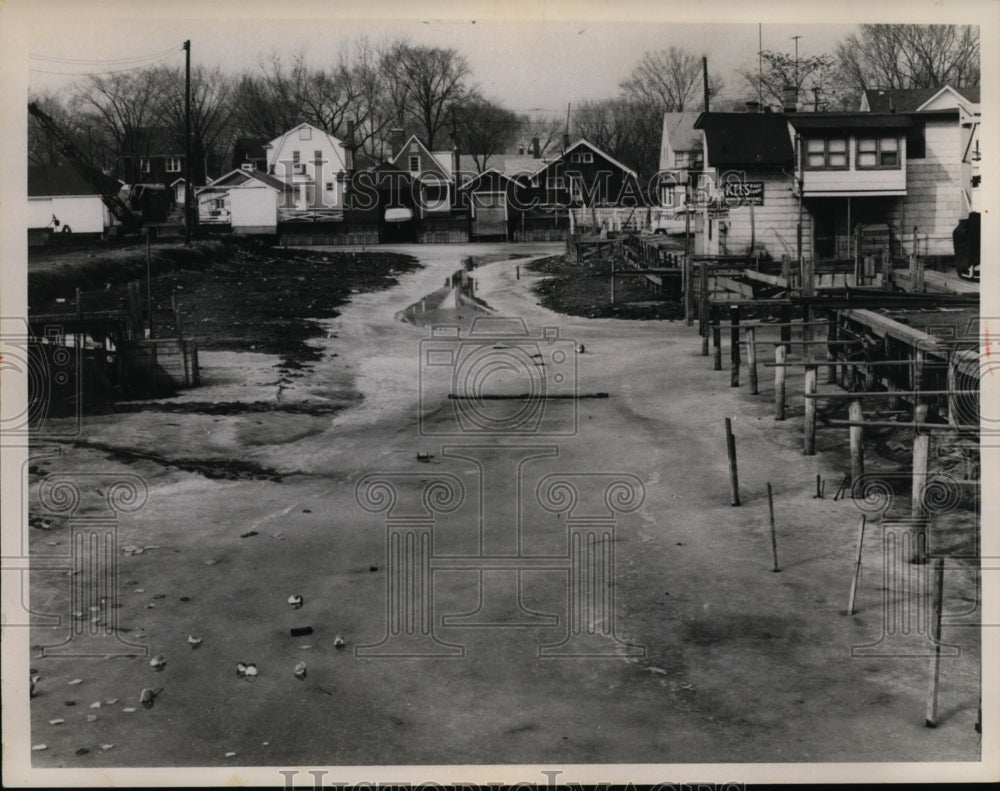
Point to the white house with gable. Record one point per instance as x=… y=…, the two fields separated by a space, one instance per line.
x=315 y=164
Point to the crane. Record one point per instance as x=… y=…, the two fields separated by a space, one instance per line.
x=95 y=179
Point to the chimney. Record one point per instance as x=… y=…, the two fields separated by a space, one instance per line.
x=349 y=147
x=565 y=141
x=395 y=141
x=534 y=148
x=753 y=106
x=789 y=99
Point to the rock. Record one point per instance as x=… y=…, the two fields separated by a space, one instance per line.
x=300 y=671
x=338 y=642
x=91 y=718
x=38 y=747
x=107 y=746
x=194 y=640
x=230 y=755
x=300 y=631
x=251 y=672
x=82 y=751
x=129 y=709
x=295 y=601
x=148 y=696
x=75 y=681
x=241 y=670
x=58 y=721
x=96 y=704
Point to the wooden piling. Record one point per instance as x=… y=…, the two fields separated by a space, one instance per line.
x=857 y=441
x=831 y=351
x=774 y=537
x=716 y=338
x=809 y=441
x=688 y=292
x=612 y=277
x=703 y=299
x=779 y=382
x=734 y=486
x=857 y=567
x=786 y=326
x=752 y=358
x=734 y=346
x=935 y=674
x=921 y=448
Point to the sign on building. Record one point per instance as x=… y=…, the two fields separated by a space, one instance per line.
x=743 y=193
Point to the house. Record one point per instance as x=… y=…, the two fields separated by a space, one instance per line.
x=315 y=164
x=588 y=186
x=896 y=177
x=681 y=153
x=60 y=199
x=249 y=150
x=909 y=100
x=498 y=206
x=746 y=193
x=245 y=201
x=382 y=196
x=433 y=175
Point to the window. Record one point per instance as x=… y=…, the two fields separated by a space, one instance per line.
x=173 y=164
x=826 y=154
x=414 y=164
x=329 y=186
x=305 y=133
x=555 y=183
x=296 y=157
x=144 y=164
x=584 y=157
x=878 y=152
x=317 y=155
x=219 y=203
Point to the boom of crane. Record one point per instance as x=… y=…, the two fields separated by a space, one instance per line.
x=95 y=179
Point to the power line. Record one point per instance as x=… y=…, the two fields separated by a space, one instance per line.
x=104 y=71
x=102 y=61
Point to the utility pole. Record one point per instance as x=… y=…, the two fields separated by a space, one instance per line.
x=760 y=67
x=704 y=77
x=187 y=143
x=796 y=63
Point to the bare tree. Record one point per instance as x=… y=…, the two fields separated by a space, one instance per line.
x=813 y=78
x=124 y=105
x=212 y=111
x=268 y=102
x=670 y=79
x=630 y=131
x=485 y=128
x=549 y=132
x=910 y=56
x=425 y=84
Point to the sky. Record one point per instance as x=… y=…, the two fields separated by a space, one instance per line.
x=533 y=65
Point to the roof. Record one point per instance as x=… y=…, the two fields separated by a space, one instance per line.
x=596 y=150
x=521 y=164
x=249 y=147
x=859 y=120
x=235 y=178
x=904 y=100
x=155 y=141
x=473 y=182
x=679 y=130
x=441 y=158
x=52 y=180
x=746 y=139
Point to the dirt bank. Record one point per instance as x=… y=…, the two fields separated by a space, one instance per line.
x=229 y=295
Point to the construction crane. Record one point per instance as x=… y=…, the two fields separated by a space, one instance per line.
x=95 y=179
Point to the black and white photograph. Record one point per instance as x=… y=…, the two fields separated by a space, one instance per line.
x=478 y=394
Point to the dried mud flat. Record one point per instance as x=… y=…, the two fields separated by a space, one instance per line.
x=737 y=663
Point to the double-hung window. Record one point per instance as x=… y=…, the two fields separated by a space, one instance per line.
x=878 y=152
x=826 y=154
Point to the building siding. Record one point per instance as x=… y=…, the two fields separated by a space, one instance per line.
x=774 y=223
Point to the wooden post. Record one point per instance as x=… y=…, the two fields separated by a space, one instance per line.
x=786 y=269
x=832 y=331
x=703 y=298
x=752 y=358
x=612 y=277
x=734 y=346
x=857 y=440
x=716 y=338
x=688 y=292
x=935 y=674
x=809 y=442
x=857 y=567
x=786 y=326
x=774 y=537
x=886 y=269
x=779 y=382
x=79 y=305
x=177 y=318
x=921 y=447
x=734 y=486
